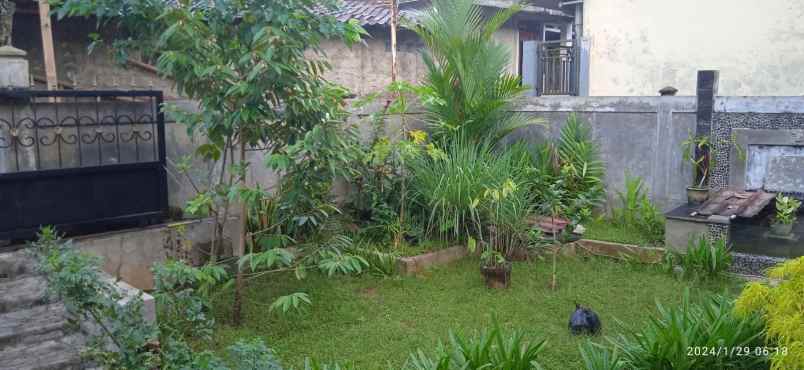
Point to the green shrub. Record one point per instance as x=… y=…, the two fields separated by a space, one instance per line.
x=704 y=258
x=572 y=169
x=636 y=211
x=491 y=350
x=786 y=208
x=687 y=338
x=77 y=279
x=780 y=306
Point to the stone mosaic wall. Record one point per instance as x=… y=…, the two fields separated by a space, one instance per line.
x=717 y=232
x=724 y=122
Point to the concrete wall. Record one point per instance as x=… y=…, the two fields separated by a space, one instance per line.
x=640 y=46
x=366 y=68
x=129 y=255
x=74 y=64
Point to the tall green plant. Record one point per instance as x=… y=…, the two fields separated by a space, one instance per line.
x=450 y=185
x=573 y=166
x=468 y=89
x=695 y=151
x=579 y=156
x=637 y=212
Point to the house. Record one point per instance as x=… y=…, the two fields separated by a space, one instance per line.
x=636 y=47
x=541 y=24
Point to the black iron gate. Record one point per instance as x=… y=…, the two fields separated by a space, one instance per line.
x=83 y=161
x=558 y=64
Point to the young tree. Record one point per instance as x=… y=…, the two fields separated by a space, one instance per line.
x=248 y=65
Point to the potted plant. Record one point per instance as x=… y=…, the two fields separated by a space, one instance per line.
x=695 y=150
x=503 y=211
x=786 y=208
x=495 y=268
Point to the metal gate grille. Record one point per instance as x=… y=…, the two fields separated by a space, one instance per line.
x=558 y=64
x=81 y=160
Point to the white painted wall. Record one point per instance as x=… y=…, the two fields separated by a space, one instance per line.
x=640 y=46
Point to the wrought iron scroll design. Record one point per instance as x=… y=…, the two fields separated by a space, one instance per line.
x=70 y=129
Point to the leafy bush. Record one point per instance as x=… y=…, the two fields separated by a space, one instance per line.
x=571 y=170
x=491 y=350
x=786 y=208
x=780 y=306
x=637 y=212
x=678 y=337
x=468 y=90
x=580 y=159
x=124 y=340
x=704 y=258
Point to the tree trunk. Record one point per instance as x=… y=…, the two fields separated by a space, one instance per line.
x=237 y=307
x=394 y=22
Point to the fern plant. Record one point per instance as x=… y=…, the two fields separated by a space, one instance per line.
x=781 y=308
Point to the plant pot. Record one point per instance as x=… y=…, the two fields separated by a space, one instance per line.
x=497 y=276
x=697 y=196
x=781 y=229
x=519 y=255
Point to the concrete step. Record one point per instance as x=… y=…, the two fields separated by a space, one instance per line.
x=15 y=265
x=56 y=354
x=22 y=293
x=33 y=325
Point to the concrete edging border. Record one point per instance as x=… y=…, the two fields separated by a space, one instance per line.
x=413 y=265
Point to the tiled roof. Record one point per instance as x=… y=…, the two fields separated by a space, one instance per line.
x=378 y=12
x=367 y=12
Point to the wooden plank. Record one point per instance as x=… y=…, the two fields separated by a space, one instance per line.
x=715 y=205
x=738 y=203
x=758 y=205
x=47 y=45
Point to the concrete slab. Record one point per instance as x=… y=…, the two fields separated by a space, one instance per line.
x=785 y=174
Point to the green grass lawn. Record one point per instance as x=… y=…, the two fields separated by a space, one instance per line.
x=607 y=231
x=376 y=322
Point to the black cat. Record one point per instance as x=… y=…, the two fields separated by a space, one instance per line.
x=584 y=321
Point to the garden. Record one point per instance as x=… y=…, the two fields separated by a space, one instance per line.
x=314 y=280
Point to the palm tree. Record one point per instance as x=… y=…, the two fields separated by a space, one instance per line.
x=468 y=89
